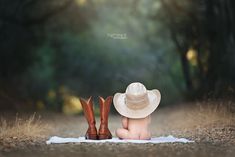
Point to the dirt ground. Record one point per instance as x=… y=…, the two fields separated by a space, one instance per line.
x=212 y=130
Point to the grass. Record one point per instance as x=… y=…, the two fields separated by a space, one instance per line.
x=203 y=121
x=22 y=131
x=210 y=113
x=202 y=114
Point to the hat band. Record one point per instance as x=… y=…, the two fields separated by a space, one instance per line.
x=136 y=102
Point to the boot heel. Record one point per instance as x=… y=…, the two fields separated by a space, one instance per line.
x=92 y=137
x=103 y=137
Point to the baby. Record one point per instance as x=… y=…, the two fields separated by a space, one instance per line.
x=136 y=129
x=135 y=106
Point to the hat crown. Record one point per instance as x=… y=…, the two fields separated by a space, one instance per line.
x=136 y=89
x=136 y=96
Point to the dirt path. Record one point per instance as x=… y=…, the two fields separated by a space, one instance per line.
x=123 y=150
x=213 y=138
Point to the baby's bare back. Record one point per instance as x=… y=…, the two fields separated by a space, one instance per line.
x=139 y=128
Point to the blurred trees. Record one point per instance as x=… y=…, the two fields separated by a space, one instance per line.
x=27 y=58
x=206 y=28
x=53 y=49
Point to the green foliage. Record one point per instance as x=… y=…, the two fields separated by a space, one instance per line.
x=75 y=50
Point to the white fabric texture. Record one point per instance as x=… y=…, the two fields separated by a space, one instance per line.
x=162 y=139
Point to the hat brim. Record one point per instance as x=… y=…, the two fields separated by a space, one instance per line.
x=154 y=97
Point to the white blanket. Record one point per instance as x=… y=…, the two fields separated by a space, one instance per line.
x=162 y=139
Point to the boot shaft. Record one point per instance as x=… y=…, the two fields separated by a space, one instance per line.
x=105 y=105
x=88 y=110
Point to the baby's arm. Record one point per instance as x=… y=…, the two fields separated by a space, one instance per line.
x=123 y=133
x=125 y=122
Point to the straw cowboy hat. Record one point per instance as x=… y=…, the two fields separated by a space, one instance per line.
x=137 y=101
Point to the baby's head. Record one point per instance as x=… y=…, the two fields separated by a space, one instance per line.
x=137 y=101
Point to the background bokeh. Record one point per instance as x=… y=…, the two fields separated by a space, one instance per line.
x=53 y=52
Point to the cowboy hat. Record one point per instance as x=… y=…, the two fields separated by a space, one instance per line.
x=137 y=101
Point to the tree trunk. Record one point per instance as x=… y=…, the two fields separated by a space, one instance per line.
x=186 y=71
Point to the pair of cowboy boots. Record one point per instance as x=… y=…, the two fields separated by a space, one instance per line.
x=104 y=132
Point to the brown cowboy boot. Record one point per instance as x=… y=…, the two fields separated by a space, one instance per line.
x=104 y=132
x=89 y=114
